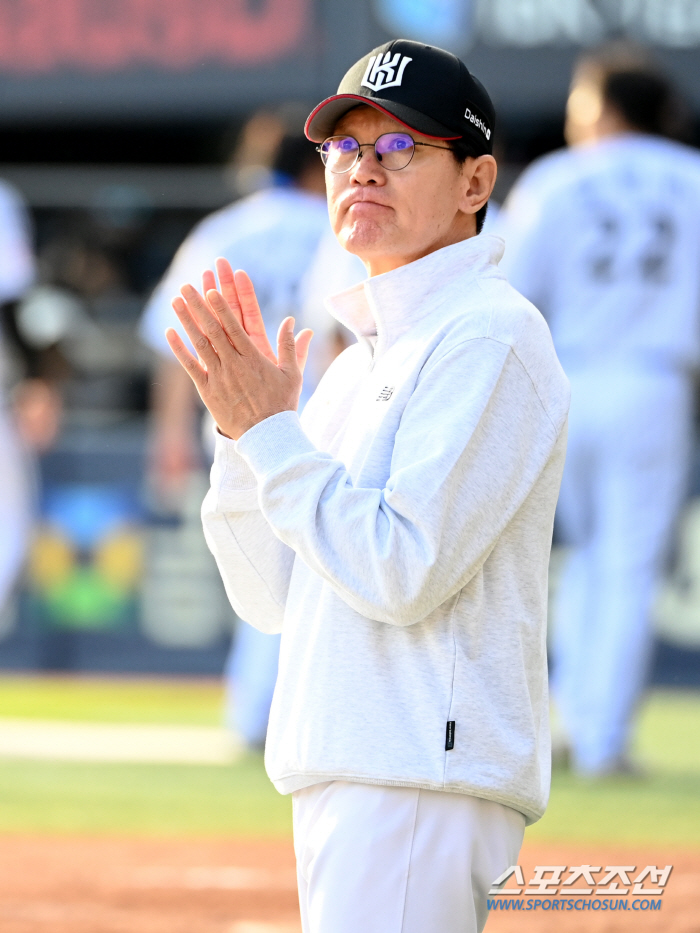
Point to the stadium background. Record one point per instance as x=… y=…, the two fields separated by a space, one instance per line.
x=118 y=119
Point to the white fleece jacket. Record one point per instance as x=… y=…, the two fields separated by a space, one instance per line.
x=399 y=537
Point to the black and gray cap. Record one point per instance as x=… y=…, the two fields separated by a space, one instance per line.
x=427 y=89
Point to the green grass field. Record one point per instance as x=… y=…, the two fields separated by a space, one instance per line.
x=87 y=699
x=37 y=796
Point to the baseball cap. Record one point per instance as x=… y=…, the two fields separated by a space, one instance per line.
x=427 y=89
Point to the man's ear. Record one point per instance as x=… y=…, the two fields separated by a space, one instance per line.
x=478 y=179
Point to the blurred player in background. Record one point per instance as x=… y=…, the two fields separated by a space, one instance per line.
x=604 y=238
x=277 y=234
x=17 y=270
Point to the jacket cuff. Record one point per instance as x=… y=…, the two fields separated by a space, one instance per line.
x=273 y=444
x=232 y=480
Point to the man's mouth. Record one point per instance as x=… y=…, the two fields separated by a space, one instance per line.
x=362 y=205
x=366 y=207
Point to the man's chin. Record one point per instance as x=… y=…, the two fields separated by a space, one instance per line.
x=363 y=239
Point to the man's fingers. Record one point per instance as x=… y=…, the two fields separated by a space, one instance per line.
x=208 y=281
x=228 y=288
x=229 y=318
x=252 y=318
x=233 y=329
x=194 y=330
x=208 y=320
x=194 y=370
x=302 y=341
x=292 y=351
x=239 y=293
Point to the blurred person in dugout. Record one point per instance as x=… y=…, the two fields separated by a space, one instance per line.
x=280 y=234
x=29 y=406
x=604 y=237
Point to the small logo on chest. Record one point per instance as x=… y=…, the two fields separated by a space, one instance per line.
x=385 y=394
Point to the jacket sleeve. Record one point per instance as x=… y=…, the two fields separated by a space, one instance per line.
x=472 y=440
x=254 y=564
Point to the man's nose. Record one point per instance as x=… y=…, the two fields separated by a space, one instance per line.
x=368 y=169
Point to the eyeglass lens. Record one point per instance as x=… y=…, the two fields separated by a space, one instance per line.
x=393 y=150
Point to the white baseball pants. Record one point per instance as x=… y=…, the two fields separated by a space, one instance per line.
x=624 y=481
x=15 y=506
x=375 y=859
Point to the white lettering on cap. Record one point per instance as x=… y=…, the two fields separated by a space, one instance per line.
x=478 y=122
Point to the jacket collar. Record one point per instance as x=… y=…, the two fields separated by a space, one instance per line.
x=392 y=303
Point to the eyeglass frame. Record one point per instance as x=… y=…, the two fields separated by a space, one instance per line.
x=361 y=146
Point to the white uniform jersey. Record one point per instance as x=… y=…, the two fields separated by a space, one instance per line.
x=332 y=270
x=605 y=241
x=272 y=235
x=16 y=254
x=17 y=271
x=17 y=268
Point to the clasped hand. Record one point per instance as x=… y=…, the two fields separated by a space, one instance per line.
x=236 y=372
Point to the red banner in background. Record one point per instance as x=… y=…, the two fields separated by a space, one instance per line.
x=37 y=36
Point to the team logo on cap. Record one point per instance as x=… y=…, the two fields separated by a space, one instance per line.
x=385 y=71
x=478 y=122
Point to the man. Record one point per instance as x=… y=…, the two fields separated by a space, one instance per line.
x=399 y=535
x=604 y=237
x=275 y=234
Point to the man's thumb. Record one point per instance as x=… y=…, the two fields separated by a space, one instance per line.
x=286 y=347
x=302 y=340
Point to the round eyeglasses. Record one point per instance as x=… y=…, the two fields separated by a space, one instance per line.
x=392 y=150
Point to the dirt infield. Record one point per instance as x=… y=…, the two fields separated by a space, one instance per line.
x=85 y=885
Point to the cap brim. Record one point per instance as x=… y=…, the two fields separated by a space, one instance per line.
x=322 y=120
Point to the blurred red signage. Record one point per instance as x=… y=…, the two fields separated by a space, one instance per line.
x=113 y=35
